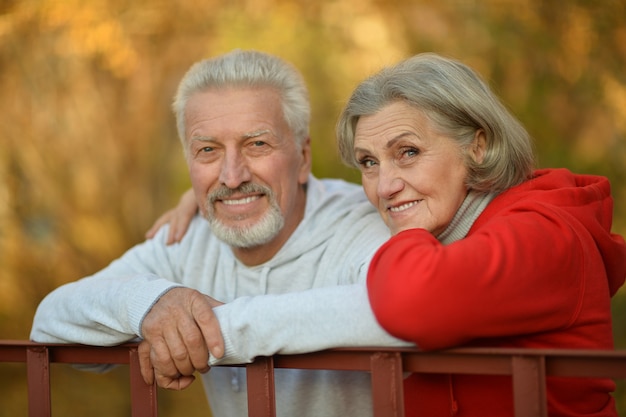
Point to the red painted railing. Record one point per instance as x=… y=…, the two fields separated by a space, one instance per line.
x=38 y=358
x=527 y=367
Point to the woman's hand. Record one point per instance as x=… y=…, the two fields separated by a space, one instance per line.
x=179 y=218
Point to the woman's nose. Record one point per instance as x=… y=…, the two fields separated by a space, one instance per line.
x=389 y=182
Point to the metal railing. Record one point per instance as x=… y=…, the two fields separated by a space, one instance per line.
x=527 y=367
x=38 y=358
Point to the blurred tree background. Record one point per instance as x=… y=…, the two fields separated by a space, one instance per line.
x=89 y=155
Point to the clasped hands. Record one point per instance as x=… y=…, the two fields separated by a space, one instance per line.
x=178 y=333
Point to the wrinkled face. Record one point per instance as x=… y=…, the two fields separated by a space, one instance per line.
x=246 y=169
x=414 y=175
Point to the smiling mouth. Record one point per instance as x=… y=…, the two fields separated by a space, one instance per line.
x=403 y=207
x=244 y=200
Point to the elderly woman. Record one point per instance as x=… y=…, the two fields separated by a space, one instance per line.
x=486 y=251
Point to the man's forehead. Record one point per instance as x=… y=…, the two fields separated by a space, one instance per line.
x=235 y=116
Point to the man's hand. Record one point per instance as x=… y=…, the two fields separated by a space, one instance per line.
x=179 y=331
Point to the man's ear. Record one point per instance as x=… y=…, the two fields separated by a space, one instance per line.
x=306 y=164
x=478 y=148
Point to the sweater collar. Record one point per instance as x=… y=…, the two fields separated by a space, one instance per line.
x=465 y=216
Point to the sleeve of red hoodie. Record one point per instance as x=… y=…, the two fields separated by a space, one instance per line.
x=522 y=271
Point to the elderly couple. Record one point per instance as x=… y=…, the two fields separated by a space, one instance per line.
x=476 y=247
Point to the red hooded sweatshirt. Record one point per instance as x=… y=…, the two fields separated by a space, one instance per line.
x=537 y=269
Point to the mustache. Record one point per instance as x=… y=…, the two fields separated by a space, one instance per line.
x=248 y=188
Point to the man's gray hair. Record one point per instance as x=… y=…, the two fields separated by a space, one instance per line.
x=240 y=68
x=459 y=103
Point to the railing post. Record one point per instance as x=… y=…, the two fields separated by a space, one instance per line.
x=261 y=391
x=529 y=386
x=387 y=385
x=38 y=374
x=143 y=396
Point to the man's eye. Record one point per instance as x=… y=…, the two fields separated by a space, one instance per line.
x=258 y=143
x=206 y=149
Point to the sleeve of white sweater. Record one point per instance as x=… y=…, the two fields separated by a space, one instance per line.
x=322 y=318
x=97 y=311
x=108 y=307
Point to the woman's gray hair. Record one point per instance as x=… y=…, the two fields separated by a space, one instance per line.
x=459 y=103
x=240 y=68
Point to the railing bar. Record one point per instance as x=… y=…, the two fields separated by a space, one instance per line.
x=387 y=385
x=12 y=353
x=529 y=386
x=38 y=375
x=79 y=354
x=605 y=367
x=261 y=389
x=143 y=396
x=334 y=360
x=442 y=362
x=606 y=364
x=439 y=362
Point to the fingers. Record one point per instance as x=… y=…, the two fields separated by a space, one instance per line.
x=169 y=370
x=173 y=381
x=172 y=369
x=210 y=327
x=145 y=365
x=176 y=383
x=183 y=215
x=189 y=351
x=179 y=330
x=179 y=219
x=179 y=224
x=161 y=221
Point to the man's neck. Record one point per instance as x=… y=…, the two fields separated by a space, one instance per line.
x=257 y=255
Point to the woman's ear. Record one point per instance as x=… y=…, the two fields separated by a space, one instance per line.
x=478 y=148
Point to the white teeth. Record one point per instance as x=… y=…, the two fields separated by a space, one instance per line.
x=244 y=200
x=402 y=207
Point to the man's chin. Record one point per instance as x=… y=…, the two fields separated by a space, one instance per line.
x=244 y=236
x=248 y=233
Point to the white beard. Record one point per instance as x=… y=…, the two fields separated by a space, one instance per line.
x=249 y=236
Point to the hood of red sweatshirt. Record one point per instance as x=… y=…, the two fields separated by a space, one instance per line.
x=588 y=199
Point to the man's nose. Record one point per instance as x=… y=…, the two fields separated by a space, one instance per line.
x=234 y=170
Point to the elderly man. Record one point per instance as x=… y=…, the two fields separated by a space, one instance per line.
x=287 y=253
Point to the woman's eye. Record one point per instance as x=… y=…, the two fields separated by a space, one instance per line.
x=410 y=152
x=366 y=163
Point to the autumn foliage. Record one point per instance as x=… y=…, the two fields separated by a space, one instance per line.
x=88 y=150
